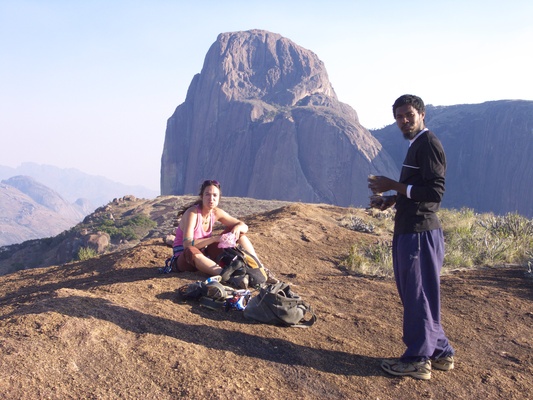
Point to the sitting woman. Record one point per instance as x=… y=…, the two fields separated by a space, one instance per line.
x=194 y=244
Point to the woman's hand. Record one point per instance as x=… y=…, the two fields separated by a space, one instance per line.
x=238 y=229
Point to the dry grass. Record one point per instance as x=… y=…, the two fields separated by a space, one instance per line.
x=472 y=240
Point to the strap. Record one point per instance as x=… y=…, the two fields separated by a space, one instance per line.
x=167 y=269
x=211 y=303
x=217 y=291
x=308 y=323
x=242 y=250
x=277 y=287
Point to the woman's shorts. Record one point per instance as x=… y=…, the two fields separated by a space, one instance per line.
x=186 y=258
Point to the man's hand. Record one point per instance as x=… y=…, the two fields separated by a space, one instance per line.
x=380 y=184
x=382 y=202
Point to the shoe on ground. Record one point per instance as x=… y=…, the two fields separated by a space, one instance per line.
x=443 y=363
x=418 y=369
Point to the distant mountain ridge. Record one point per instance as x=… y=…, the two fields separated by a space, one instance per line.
x=47 y=197
x=38 y=201
x=488 y=148
x=30 y=210
x=73 y=184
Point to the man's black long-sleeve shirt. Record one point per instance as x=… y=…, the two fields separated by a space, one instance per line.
x=425 y=169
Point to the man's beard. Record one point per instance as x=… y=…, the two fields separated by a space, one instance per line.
x=409 y=135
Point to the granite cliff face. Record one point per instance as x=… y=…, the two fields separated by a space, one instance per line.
x=263 y=119
x=488 y=148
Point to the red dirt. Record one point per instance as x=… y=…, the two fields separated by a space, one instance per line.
x=112 y=327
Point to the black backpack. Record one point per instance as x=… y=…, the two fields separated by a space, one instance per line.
x=241 y=269
x=213 y=295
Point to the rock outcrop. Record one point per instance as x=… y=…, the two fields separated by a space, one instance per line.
x=263 y=119
x=488 y=148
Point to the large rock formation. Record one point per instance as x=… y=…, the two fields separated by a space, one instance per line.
x=263 y=119
x=488 y=147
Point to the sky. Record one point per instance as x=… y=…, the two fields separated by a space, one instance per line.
x=90 y=84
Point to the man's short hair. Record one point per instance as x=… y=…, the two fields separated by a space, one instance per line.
x=409 y=99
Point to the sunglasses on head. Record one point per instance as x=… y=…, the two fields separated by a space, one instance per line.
x=211 y=182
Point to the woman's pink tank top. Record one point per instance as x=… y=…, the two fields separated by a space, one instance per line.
x=199 y=232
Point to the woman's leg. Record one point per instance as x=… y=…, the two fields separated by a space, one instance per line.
x=183 y=265
x=247 y=245
x=193 y=259
x=206 y=265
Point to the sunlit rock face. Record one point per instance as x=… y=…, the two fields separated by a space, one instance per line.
x=264 y=120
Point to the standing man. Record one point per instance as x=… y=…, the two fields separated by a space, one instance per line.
x=418 y=243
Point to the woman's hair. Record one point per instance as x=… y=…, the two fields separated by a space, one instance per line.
x=408 y=99
x=205 y=185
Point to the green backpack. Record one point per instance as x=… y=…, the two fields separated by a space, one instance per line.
x=277 y=304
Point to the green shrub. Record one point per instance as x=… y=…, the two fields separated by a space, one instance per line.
x=355 y=262
x=485 y=239
x=459 y=231
x=504 y=239
x=86 y=253
x=132 y=228
x=143 y=221
x=356 y=224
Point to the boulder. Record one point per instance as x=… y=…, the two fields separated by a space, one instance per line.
x=97 y=241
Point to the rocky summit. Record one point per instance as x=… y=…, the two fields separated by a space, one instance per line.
x=111 y=327
x=263 y=118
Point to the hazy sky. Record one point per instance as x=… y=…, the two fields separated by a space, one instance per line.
x=90 y=84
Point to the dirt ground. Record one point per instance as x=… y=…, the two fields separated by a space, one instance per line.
x=112 y=327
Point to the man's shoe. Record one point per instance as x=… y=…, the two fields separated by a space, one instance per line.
x=443 y=363
x=418 y=369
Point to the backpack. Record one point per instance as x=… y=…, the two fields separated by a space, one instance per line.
x=241 y=269
x=213 y=295
x=277 y=304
